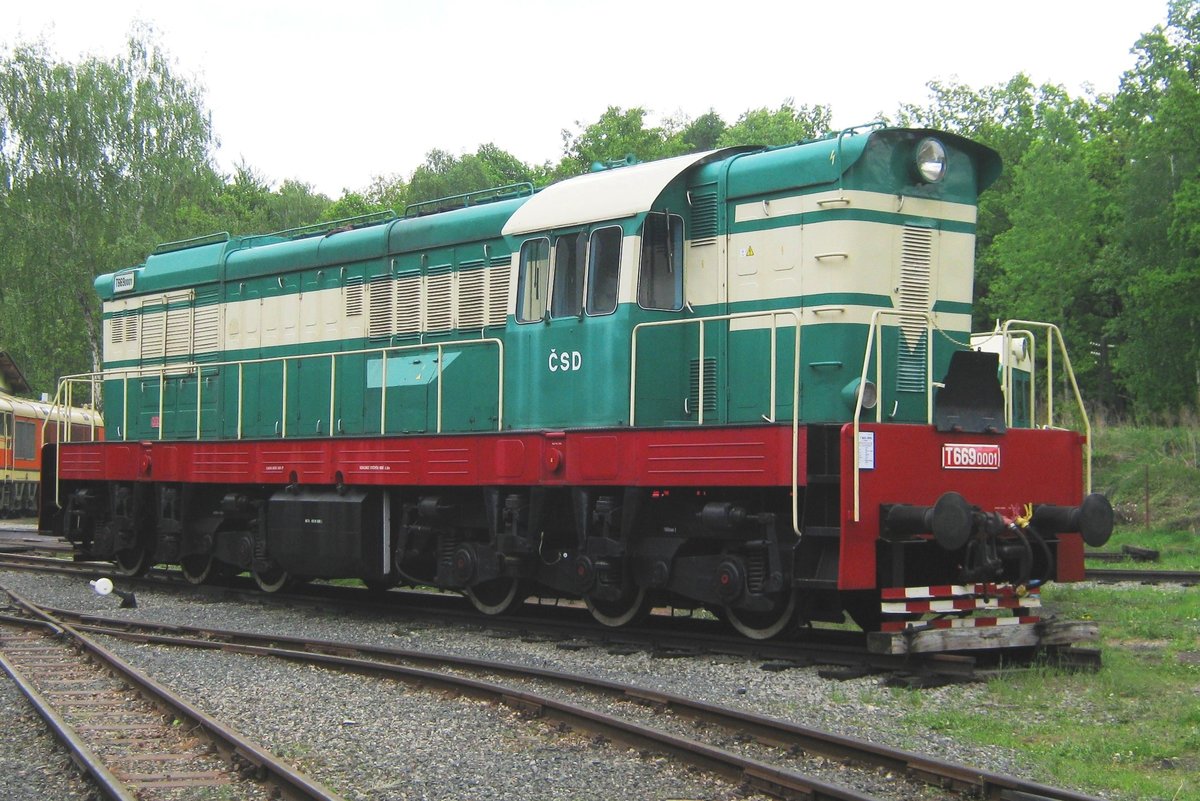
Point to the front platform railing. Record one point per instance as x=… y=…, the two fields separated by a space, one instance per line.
x=1019 y=333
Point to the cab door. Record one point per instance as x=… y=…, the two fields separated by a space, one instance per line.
x=764 y=276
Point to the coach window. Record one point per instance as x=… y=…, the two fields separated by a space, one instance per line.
x=567 y=298
x=604 y=264
x=5 y=427
x=660 y=276
x=24 y=446
x=533 y=280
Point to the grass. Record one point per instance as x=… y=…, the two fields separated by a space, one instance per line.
x=1150 y=472
x=1131 y=730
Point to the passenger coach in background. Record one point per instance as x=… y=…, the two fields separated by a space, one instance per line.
x=24 y=424
x=738 y=380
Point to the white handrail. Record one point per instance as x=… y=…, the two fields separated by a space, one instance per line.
x=700 y=322
x=124 y=374
x=1007 y=333
x=1018 y=328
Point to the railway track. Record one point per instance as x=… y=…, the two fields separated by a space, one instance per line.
x=844 y=652
x=1144 y=575
x=774 y=763
x=134 y=737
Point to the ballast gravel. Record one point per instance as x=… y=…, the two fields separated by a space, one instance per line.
x=372 y=739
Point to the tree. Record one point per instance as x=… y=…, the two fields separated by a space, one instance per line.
x=1158 y=128
x=782 y=126
x=444 y=175
x=294 y=204
x=616 y=135
x=97 y=159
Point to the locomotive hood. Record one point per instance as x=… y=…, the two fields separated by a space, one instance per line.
x=606 y=195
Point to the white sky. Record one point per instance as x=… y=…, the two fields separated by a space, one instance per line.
x=333 y=94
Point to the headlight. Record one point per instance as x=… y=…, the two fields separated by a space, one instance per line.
x=931 y=160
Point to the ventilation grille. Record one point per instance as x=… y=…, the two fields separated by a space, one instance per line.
x=408 y=305
x=472 y=298
x=710 y=385
x=439 y=299
x=498 y=278
x=916 y=260
x=354 y=296
x=704 y=217
x=208 y=329
x=380 y=323
x=123 y=327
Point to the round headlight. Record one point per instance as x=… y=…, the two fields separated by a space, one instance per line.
x=931 y=160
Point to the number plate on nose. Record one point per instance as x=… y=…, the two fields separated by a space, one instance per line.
x=970 y=457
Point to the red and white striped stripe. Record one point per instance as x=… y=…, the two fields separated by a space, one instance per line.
x=952 y=591
x=959 y=623
x=958 y=599
x=959 y=604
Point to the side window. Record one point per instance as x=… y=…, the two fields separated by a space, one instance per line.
x=533 y=280
x=25 y=447
x=660 y=276
x=604 y=263
x=569 y=254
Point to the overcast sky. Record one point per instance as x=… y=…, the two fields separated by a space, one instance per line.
x=333 y=93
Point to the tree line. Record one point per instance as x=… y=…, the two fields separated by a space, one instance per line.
x=1094 y=223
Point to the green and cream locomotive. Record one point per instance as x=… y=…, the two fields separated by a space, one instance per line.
x=739 y=380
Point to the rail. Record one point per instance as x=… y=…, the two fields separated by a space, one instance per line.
x=1012 y=330
x=164 y=372
x=62 y=412
x=769 y=417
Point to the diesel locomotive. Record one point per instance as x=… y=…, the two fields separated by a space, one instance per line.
x=741 y=380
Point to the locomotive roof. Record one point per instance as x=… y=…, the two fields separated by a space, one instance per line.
x=606 y=195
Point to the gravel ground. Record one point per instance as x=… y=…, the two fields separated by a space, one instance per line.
x=373 y=739
x=33 y=765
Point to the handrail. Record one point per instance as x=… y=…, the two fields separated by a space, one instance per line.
x=1018 y=328
x=164 y=372
x=773 y=314
x=1007 y=332
x=877 y=343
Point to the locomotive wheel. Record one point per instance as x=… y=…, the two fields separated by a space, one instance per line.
x=132 y=561
x=630 y=607
x=273 y=579
x=198 y=568
x=763 y=625
x=497 y=596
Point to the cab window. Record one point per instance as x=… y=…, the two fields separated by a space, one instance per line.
x=533 y=280
x=660 y=276
x=604 y=263
x=567 y=297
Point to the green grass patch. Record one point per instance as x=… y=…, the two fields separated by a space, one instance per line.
x=1132 y=729
x=1150 y=472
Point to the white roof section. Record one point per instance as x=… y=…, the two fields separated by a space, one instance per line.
x=605 y=195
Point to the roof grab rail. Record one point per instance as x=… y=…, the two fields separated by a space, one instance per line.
x=853 y=130
x=194 y=242
x=467 y=199
x=333 y=226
